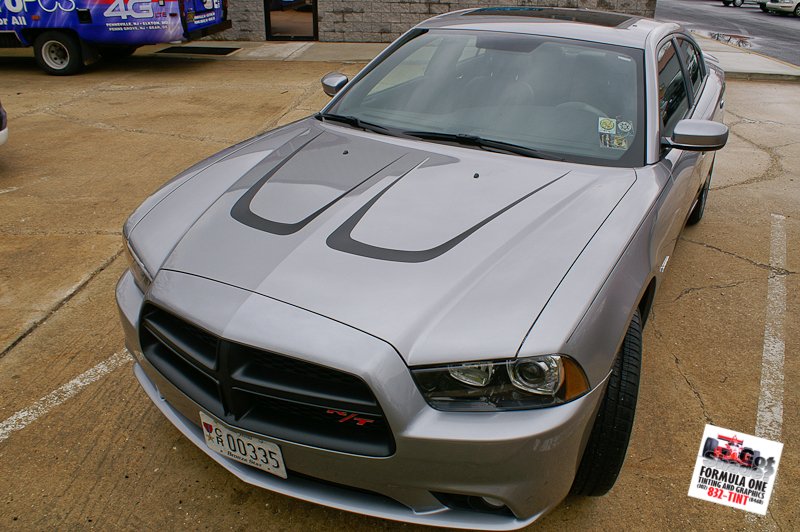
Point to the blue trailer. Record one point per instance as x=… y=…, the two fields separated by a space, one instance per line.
x=66 y=34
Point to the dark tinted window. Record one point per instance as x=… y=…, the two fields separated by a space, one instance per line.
x=673 y=101
x=693 y=64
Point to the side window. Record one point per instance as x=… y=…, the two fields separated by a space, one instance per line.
x=694 y=64
x=673 y=100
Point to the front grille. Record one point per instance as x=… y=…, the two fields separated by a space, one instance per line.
x=265 y=392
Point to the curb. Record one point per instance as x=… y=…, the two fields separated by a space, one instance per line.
x=761 y=76
x=741 y=50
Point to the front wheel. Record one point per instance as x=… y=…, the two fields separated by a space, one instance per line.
x=608 y=442
x=738 y=3
x=797 y=10
x=58 y=53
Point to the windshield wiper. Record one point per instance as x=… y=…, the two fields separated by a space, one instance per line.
x=355 y=122
x=480 y=142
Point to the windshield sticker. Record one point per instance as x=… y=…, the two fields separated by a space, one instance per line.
x=607 y=125
x=625 y=127
x=616 y=142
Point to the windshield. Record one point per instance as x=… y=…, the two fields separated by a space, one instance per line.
x=562 y=98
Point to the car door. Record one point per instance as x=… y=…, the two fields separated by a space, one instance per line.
x=676 y=102
x=707 y=103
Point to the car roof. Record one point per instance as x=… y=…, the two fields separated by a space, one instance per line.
x=583 y=24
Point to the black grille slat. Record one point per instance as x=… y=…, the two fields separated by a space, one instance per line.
x=265 y=392
x=302 y=394
x=201 y=387
x=201 y=347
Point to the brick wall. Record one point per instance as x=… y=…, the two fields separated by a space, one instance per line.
x=247 y=17
x=385 y=20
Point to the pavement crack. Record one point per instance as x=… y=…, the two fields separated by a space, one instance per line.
x=651 y=324
x=60 y=304
x=773 y=171
x=772 y=269
x=692 y=289
x=696 y=393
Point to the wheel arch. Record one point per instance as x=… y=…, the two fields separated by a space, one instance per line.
x=646 y=301
x=29 y=35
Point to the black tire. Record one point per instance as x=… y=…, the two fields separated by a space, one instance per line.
x=58 y=53
x=763 y=7
x=797 y=10
x=700 y=207
x=117 y=52
x=738 y=3
x=726 y=3
x=605 y=451
x=710 y=445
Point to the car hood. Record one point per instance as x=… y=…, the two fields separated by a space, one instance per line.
x=447 y=253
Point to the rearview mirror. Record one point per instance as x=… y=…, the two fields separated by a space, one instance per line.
x=333 y=83
x=698 y=135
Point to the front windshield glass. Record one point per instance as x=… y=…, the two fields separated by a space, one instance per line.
x=575 y=100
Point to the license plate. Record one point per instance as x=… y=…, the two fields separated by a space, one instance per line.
x=241 y=447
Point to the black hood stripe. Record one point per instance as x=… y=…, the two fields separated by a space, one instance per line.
x=341 y=239
x=242 y=212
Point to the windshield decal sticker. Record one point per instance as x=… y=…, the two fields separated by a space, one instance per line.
x=607 y=125
x=625 y=127
x=615 y=142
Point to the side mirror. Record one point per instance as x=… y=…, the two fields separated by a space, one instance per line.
x=698 y=135
x=333 y=83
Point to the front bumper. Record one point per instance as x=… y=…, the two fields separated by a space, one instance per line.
x=526 y=459
x=780 y=8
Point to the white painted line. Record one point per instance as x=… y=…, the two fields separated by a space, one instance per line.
x=769 y=417
x=25 y=417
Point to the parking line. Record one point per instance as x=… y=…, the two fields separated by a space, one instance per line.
x=769 y=417
x=25 y=417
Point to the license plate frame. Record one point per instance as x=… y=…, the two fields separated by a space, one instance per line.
x=237 y=445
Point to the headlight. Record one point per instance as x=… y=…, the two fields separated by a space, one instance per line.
x=140 y=274
x=516 y=384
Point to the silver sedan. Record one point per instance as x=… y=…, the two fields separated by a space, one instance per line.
x=425 y=303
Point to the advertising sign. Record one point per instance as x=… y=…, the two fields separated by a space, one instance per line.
x=118 y=22
x=735 y=469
